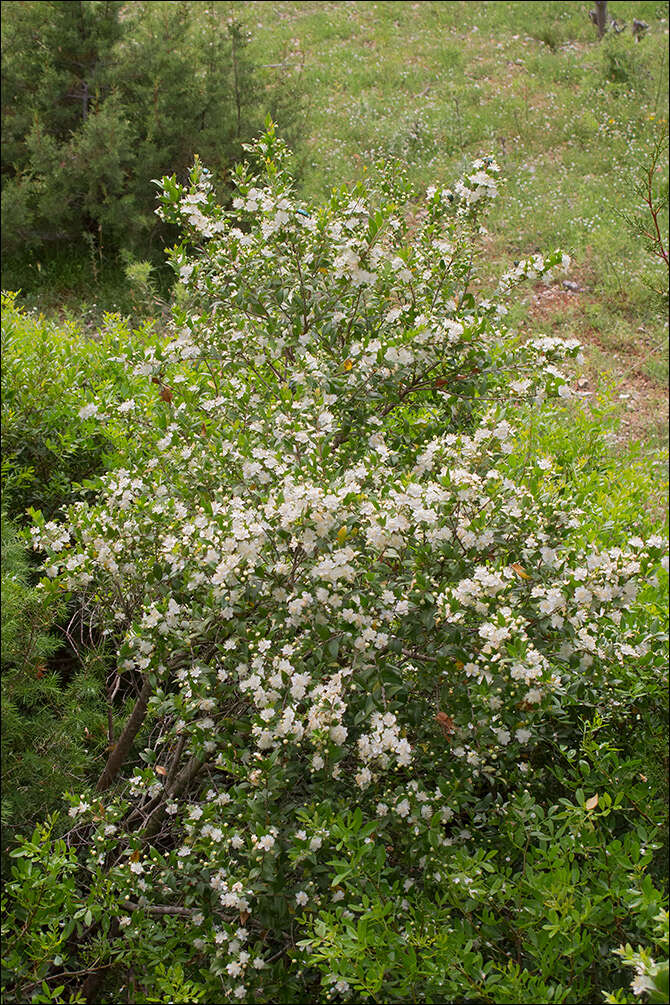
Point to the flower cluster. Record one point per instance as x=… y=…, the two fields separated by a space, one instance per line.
x=321 y=558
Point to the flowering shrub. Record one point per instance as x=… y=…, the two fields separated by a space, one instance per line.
x=342 y=620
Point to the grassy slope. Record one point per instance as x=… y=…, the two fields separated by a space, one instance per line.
x=437 y=84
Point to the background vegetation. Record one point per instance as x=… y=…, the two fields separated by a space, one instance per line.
x=572 y=121
x=102 y=98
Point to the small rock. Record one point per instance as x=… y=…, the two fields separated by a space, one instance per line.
x=572 y=287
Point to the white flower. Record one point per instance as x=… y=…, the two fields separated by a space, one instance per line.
x=301 y=898
x=338 y=734
x=81 y=808
x=641 y=983
x=87 y=411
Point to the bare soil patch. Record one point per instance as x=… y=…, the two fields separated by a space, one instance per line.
x=643 y=401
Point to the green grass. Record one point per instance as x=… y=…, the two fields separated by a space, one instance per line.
x=570 y=120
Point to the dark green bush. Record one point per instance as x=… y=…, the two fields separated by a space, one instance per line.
x=50 y=708
x=99 y=98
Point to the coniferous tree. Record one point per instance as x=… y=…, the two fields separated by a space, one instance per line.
x=50 y=717
x=101 y=97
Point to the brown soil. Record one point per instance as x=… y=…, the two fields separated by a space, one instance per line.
x=643 y=400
